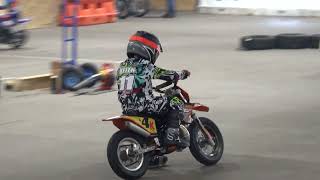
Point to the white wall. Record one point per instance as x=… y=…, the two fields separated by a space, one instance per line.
x=265 y=4
x=1 y=4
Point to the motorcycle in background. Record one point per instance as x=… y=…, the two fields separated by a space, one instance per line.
x=137 y=8
x=12 y=36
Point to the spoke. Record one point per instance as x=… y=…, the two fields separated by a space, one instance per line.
x=134 y=162
x=125 y=145
x=208 y=149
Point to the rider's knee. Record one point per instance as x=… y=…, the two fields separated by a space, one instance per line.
x=176 y=103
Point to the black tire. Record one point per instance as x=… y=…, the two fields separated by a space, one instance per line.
x=122 y=8
x=142 y=7
x=293 y=41
x=194 y=145
x=257 y=42
x=315 y=40
x=89 y=69
x=19 y=39
x=71 y=76
x=113 y=159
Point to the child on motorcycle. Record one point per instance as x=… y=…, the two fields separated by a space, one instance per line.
x=135 y=91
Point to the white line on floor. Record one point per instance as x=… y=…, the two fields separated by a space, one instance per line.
x=6 y=79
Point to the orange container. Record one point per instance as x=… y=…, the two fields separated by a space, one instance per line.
x=91 y=12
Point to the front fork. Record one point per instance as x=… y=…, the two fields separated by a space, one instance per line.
x=203 y=129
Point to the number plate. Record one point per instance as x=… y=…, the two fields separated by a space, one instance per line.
x=148 y=124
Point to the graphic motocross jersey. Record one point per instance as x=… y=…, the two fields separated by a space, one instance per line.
x=135 y=87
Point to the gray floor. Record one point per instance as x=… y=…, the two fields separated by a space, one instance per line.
x=265 y=102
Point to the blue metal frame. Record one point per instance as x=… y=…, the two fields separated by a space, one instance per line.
x=70 y=38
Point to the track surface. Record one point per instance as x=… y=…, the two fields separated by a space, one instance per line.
x=266 y=103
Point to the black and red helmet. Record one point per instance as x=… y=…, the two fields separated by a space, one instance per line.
x=144 y=45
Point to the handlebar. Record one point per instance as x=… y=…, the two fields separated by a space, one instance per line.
x=165 y=84
x=168 y=83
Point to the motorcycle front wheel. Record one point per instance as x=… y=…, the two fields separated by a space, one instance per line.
x=200 y=147
x=19 y=39
x=123 y=156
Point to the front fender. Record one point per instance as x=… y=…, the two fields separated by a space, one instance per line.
x=197 y=107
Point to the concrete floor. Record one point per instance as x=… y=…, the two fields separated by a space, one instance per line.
x=266 y=103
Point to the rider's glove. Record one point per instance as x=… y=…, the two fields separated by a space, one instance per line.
x=185 y=74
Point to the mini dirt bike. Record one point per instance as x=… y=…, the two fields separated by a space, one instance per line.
x=137 y=8
x=14 y=38
x=141 y=137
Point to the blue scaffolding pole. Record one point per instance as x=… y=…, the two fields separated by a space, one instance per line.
x=70 y=34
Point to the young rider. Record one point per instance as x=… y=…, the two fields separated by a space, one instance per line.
x=135 y=91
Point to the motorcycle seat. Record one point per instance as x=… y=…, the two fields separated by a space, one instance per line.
x=156 y=117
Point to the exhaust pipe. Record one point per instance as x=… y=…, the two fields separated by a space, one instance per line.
x=137 y=129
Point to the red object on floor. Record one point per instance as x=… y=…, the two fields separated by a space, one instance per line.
x=108 y=81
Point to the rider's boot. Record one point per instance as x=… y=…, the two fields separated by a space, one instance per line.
x=173 y=132
x=158 y=161
x=172 y=138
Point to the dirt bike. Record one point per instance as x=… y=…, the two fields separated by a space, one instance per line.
x=141 y=137
x=137 y=8
x=14 y=38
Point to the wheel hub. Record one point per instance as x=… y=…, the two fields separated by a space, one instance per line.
x=124 y=155
x=205 y=146
x=128 y=154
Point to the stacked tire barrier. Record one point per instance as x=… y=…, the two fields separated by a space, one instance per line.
x=281 y=41
x=90 y=12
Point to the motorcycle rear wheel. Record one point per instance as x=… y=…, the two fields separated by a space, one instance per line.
x=120 y=155
x=200 y=148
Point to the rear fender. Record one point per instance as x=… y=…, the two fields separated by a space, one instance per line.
x=141 y=125
x=118 y=121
